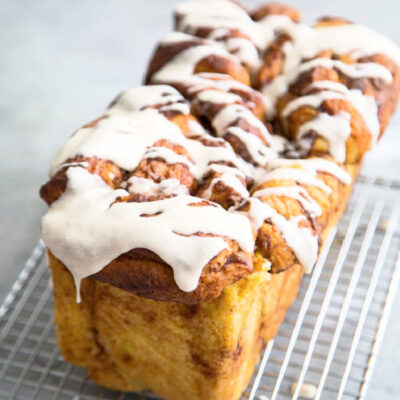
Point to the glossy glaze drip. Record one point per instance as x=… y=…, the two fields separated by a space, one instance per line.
x=99 y=230
x=301 y=240
x=135 y=123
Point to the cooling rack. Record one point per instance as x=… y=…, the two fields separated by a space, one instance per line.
x=325 y=349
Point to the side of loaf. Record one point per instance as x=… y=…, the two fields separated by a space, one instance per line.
x=182 y=220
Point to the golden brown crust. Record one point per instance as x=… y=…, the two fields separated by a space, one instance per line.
x=125 y=341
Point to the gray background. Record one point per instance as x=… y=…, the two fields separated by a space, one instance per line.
x=61 y=62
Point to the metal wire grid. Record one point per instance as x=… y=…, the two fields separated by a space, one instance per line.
x=329 y=339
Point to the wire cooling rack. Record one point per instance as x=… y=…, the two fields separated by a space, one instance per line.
x=325 y=349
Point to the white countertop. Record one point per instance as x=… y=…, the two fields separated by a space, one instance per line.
x=63 y=61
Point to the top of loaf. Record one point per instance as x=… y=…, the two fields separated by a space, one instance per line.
x=231 y=160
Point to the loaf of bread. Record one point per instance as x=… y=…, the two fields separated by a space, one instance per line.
x=182 y=220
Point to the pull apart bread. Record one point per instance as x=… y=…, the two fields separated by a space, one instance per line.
x=181 y=222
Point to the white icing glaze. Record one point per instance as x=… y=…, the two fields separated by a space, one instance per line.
x=86 y=231
x=243 y=49
x=205 y=92
x=329 y=85
x=219 y=17
x=229 y=177
x=281 y=83
x=168 y=155
x=176 y=37
x=136 y=184
x=221 y=8
x=178 y=107
x=306 y=41
x=226 y=169
x=313 y=165
x=295 y=192
x=229 y=114
x=260 y=153
x=203 y=88
x=365 y=105
x=212 y=14
x=334 y=128
x=191 y=22
x=218 y=97
x=207 y=80
x=68 y=164
x=341 y=39
x=124 y=140
x=306 y=177
x=120 y=138
x=312 y=100
x=196 y=129
x=357 y=70
x=183 y=64
x=301 y=240
x=141 y=97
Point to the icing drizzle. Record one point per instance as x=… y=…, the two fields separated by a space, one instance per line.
x=93 y=229
x=229 y=26
x=88 y=227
